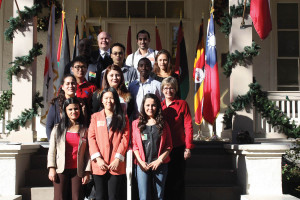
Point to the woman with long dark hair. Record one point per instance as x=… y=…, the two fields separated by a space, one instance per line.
x=108 y=141
x=68 y=157
x=113 y=77
x=152 y=143
x=67 y=90
x=163 y=67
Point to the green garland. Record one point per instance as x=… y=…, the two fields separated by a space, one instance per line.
x=23 y=61
x=18 y=23
x=26 y=115
x=241 y=58
x=28 y=13
x=267 y=109
x=235 y=11
x=5 y=102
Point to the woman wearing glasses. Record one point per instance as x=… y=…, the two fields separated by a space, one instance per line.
x=177 y=114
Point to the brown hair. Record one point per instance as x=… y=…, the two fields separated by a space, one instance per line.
x=170 y=68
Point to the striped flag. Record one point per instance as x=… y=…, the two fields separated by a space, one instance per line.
x=181 y=64
x=211 y=104
x=50 y=69
x=199 y=75
x=76 y=39
x=128 y=48
x=63 y=51
x=157 y=37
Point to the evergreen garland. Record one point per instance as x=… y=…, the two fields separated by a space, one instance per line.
x=43 y=22
x=5 y=102
x=268 y=110
x=241 y=58
x=23 y=61
x=18 y=23
x=26 y=115
x=235 y=11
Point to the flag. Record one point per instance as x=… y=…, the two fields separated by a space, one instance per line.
x=199 y=75
x=0 y=3
x=129 y=48
x=84 y=32
x=211 y=103
x=63 y=51
x=260 y=15
x=76 y=39
x=157 y=37
x=181 y=64
x=50 y=69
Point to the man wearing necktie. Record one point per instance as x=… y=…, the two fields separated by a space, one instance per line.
x=101 y=59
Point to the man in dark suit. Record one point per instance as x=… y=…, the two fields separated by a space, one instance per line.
x=101 y=59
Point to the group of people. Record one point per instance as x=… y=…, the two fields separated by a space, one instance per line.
x=106 y=106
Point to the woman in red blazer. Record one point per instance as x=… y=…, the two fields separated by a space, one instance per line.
x=152 y=143
x=108 y=141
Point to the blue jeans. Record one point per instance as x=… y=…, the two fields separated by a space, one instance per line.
x=157 y=177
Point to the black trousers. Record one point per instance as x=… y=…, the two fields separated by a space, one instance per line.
x=175 y=185
x=107 y=186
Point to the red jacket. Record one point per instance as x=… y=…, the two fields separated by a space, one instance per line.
x=165 y=141
x=99 y=144
x=178 y=116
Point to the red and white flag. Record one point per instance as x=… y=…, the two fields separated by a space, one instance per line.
x=260 y=15
x=50 y=70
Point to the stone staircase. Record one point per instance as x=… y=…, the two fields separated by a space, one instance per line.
x=210 y=173
x=37 y=184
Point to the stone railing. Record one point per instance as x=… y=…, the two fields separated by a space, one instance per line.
x=288 y=102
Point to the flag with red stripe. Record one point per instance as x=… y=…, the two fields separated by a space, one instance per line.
x=63 y=51
x=211 y=104
x=199 y=75
x=50 y=69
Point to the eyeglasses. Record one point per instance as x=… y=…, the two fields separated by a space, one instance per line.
x=117 y=53
x=171 y=89
x=78 y=67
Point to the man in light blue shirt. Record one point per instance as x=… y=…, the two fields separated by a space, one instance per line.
x=144 y=85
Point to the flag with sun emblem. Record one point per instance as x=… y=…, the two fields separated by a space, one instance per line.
x=211 y=104
x=198 y=76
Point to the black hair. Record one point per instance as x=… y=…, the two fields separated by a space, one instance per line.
x=148 y=62
x=64 y=123
x=143 y=117
x=117 y=45
x=142 y=32
x=61 y=93
x=118 y=119
x=81 y=59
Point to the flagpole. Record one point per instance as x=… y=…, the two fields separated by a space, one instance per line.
x=243 y=21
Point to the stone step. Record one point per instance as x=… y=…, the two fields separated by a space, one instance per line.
x=37 y=193
x=224 y=161
x=37 y=178
x=212 y=193
x=38 y=161
x=195 y=176
x=11 y=197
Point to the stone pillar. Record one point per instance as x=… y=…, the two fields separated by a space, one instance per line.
x=14 y=161
x=23 y=85
x=259 y=167
x=241 y=76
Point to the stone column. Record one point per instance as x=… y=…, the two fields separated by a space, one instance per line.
x=241 y=76
x=259 y=167
x=23 y=85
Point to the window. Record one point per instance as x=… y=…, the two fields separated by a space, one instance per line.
x=136 y=9
x=288 y=59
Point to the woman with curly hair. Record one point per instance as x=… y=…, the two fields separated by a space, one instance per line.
x=113 y=77
x=108 y=138
x=67 y=90
x=152 y=143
